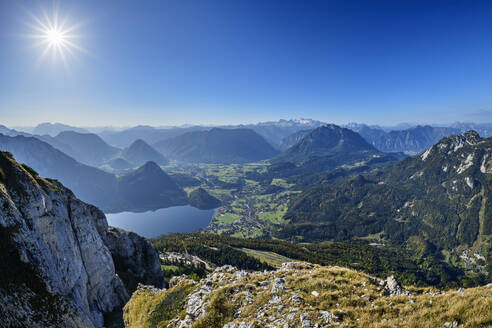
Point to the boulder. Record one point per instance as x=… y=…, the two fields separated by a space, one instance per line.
x=392 y=287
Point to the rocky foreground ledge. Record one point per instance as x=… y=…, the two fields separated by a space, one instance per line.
x=304 y=295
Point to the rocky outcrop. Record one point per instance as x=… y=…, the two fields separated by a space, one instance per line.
x=134 y=258
x=303 y=295
x=56 y=269
x=54 y=240
x=174 y=258
x=392 y=287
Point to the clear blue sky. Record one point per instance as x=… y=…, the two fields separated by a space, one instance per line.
x=180 y=61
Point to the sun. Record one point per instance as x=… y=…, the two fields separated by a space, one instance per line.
x=55 y=36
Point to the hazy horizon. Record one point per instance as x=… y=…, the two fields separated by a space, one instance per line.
x=399 y=125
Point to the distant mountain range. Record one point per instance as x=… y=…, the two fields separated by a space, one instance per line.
x=90 y=184
x=411 y=141
x=87 y=148
x=53 y=129
x=11 y=132
x=405 y=137
x=275 y=131
x=100 y=151
x=90 y=149
x=107 y=191
x=150 y=135
x=217 y=146
x=416 y=139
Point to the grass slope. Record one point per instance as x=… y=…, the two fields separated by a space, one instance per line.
x=324 y=296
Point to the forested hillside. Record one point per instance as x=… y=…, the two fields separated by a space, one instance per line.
x=437 y=203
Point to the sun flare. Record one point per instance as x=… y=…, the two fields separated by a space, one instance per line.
x=55 y=36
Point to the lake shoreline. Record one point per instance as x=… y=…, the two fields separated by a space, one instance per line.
x=151 y=224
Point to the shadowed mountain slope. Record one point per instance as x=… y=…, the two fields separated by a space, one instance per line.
x=217 y=146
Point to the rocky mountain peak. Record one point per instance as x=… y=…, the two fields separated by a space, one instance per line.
x=459 y=140
x=452 y=144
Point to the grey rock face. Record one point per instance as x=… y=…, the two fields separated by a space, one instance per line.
x=135 y=259
x=53 y=239
x=392 y=287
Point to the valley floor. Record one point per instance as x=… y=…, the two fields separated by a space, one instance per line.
x=250 y=208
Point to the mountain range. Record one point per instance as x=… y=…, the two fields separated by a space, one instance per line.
x=87 y=148
x=275 y=131
x=53 y=129
x=408 y=138
x=106 y=190
x=150 y=135
x=217 y=146
x=412 y=141
x=415 y=139
x=438 y=201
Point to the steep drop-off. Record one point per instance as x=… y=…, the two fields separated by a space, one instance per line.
x=56 y=269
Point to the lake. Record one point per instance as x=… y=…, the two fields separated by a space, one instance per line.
x=162 y=221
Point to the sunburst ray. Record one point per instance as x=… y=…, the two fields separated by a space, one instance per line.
x=56 y=35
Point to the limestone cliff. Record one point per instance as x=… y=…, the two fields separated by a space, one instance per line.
x=55 y=269
x=134 y=258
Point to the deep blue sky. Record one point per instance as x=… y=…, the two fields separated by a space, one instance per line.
x=180 y=61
